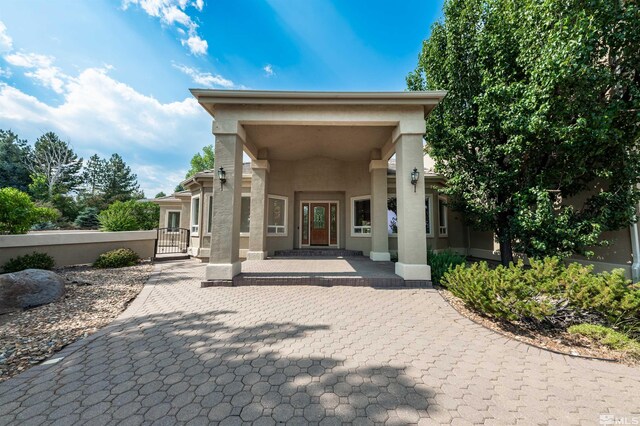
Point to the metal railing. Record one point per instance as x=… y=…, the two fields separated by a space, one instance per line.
x=172 y=240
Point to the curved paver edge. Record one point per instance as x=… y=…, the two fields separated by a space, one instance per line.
x=507 y=336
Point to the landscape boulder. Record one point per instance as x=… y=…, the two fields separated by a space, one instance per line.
x=28 y=288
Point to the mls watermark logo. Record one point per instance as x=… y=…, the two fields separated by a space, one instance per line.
x=612 y=419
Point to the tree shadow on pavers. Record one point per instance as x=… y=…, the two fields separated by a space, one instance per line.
x=211 y=367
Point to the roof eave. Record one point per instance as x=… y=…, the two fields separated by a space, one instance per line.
x=211 y=97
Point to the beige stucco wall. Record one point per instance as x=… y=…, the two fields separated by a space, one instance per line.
x=319 y=178
x=74 y=248
x=167 y=207
x=200 y=243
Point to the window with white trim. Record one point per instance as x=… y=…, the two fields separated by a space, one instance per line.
x=173 y=220
x=428 y=214
x=195 y=215
x=392 y=215
x=245 y=214
x=210 y=214
x=361 y=216
x=277 y=216
x=442 y=213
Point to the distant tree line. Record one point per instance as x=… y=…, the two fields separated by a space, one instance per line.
x=54 y=177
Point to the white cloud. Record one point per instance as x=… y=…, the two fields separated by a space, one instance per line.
x=268 y=69
x=153 y=178
x=5 y=72
x=205 y=78
x=173 y=13
x=49 y=77
x=29 y=60
x=99 y=112
x=6 y=42
x=198 y=4
x=43 y=70
x=197 y=46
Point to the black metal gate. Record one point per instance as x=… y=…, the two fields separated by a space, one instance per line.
x=172 y=240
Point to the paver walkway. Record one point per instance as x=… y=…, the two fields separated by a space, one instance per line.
x=307 y=355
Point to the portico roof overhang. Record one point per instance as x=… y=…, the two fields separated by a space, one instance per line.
x=341 y=125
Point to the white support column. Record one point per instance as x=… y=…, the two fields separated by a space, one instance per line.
x=224 y=262
x=379 y=233
x=259 y=210
x=412 y=236
x=635 y=249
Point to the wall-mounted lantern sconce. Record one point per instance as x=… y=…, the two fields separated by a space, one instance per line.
x=414 y=178
x=222 y=177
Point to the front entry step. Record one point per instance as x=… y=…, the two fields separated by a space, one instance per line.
x=319 y=252
x=242 y=280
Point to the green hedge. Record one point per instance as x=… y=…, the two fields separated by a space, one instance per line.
x=34 y=260
x=117 y=258
x=549 y=292
x=132 y=215
x=442 y=262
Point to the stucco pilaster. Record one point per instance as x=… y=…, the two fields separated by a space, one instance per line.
x=379 y=234
x=412 y=238
x=224 y=262
x=259 y=206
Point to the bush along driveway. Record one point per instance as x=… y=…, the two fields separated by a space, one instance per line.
x=552 y=300
x=309 y=355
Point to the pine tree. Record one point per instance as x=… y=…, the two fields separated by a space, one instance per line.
x=93 y=175
x=88 y=218
x=13 y=151
x=120 y=183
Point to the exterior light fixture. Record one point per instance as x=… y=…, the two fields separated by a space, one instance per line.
x=222 y=177
x=414 y=178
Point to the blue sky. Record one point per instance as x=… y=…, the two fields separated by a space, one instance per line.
x=113 y=76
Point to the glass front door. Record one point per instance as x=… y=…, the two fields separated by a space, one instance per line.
x=319 y=224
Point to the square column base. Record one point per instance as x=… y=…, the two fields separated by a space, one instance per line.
x=256 y=255
x=413 y=272
x=222 y=271
x=378 y=256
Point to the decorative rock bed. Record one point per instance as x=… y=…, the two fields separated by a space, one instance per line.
x=93 y=298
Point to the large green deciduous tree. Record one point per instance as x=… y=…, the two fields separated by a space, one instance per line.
x=542 y=105
x=13 y=152
x=18 y=213
x=202 y=161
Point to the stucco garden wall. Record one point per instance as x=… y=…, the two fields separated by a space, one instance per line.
x=74 y=248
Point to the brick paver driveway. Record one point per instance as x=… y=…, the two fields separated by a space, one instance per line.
x=307 y=355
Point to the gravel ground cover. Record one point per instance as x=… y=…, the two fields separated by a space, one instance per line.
x=555 y=340
x=94 y=298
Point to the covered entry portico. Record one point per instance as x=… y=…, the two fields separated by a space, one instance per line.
x=319 y=174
